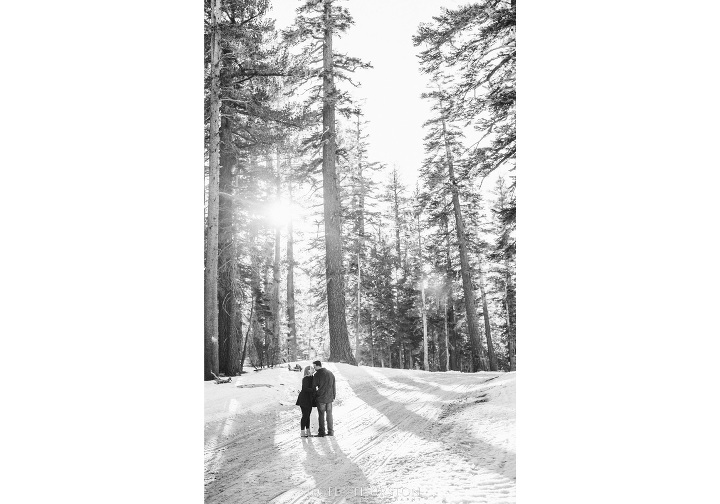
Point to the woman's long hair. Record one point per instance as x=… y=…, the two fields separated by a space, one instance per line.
x=308 y=371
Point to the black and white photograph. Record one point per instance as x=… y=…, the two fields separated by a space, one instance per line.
x=321 y=219
x=360 y=251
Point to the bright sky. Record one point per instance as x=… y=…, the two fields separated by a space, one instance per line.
x=382 y=35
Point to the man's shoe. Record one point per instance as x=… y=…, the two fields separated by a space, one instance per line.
x=320 y=434
x=330 y=433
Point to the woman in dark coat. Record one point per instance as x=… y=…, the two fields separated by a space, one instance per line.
x=306 y=401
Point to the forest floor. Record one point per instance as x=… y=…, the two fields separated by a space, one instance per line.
x=400 y=436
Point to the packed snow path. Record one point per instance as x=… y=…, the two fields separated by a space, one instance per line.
x=400 y=436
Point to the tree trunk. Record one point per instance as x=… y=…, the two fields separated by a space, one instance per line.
x=268 y=316
x=340 y=350
x=211 y=245
x=425 y=338
x=510 y=307
x=229 y=341
x=486 y=317
x=422 y=287
x=292 y=331
x=445 y=356
x=258 y=333
x=372 y=343
x=357 y=319
x=247 y=335
x=456 y=355
x=275 y=300
x=468 y=291
x=360 y=241
x=398 y=264
x=435 y=363
x=452 y=363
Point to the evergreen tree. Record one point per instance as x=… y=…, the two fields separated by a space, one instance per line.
x=229 y=321
x=211 y=239
x=381 y=298
x=476 y=42
x=443 y=147
x=503 y=255
x=318 y=21
x=398 y=217
x=360 y=188
x=292 y=325
x=478 y=248
x=237 y=40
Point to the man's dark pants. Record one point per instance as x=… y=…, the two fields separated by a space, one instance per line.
x=322 y=408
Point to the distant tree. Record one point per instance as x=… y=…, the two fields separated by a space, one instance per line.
x=277 y=257
x=360 y=191
x=290 y=245
x=503 y=255
x=398 y=216
x=380 y=298
x=476 y=231
x=443 y=147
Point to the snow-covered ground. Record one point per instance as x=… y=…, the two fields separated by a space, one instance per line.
x=400 y=436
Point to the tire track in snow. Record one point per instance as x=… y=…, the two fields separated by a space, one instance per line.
x=384 y=413
x=394 y=435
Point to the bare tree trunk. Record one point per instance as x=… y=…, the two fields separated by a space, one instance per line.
x=228 y=320
x=456 y=355
x=382 y=353
x=357 y=320
x=247 y=334
x=275 y=300
x=211 y=245
x=468 y=291
x=425 y=338
x=361 y=240
x=445 y=362
x=372 y=343
x=340 y=350
x=291 y=287
x=435 y=363
x=452 y=363
x=422 y=289
x=510 y=307
x=258 y=333
x=398 y=264
x=486 y=317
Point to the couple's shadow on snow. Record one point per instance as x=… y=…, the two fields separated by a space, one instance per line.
x=328 y=465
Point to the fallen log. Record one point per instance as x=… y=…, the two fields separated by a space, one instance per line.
x=219 y=380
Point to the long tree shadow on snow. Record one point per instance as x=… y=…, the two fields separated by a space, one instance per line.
x=325 y=460
x=406 y=419
x=240 y=473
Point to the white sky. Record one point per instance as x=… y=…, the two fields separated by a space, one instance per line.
x=382 y=35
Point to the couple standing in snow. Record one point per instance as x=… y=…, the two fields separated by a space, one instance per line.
x=318 y=390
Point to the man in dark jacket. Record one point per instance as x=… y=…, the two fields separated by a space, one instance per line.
x=324 y=383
